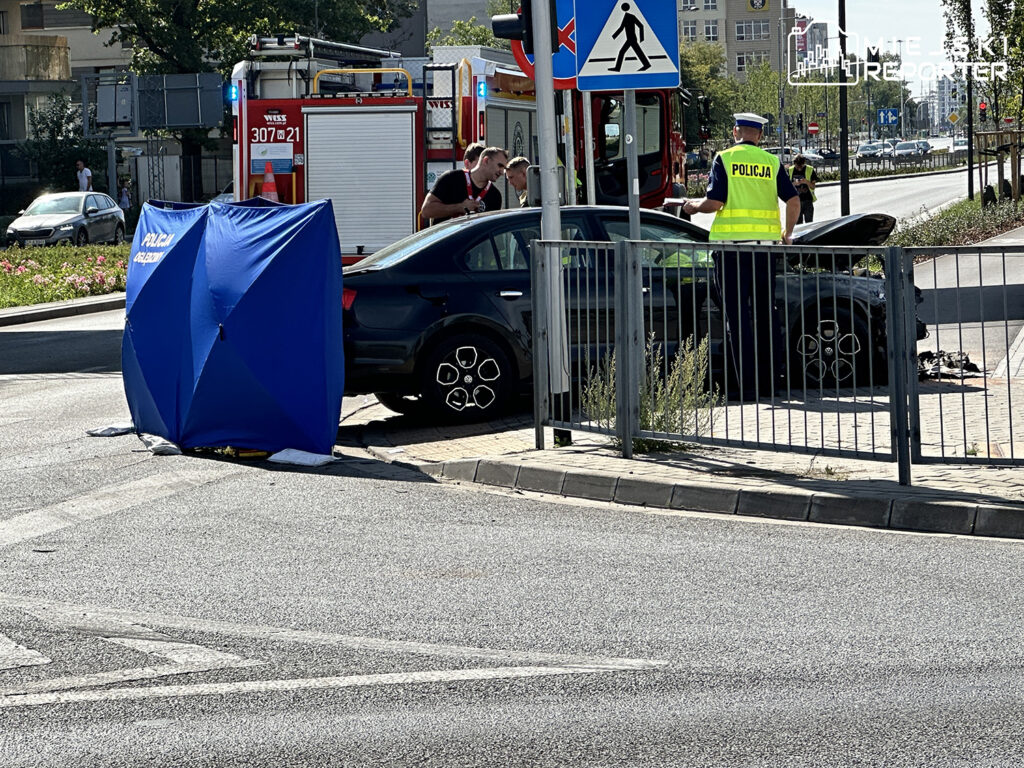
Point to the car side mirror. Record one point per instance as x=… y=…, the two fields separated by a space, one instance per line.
x=91 y=210
x=21 y=212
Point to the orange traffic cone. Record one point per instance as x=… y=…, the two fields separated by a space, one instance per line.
x=269 y=190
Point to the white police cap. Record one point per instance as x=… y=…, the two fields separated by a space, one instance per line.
x=750 y=120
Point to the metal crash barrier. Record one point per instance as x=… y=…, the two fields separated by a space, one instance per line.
x=684 y=342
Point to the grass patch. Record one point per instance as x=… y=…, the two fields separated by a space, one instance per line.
x=963 y=223
x=38 y=275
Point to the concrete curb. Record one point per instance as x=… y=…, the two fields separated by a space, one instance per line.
x=55 y=309
x=927 y=515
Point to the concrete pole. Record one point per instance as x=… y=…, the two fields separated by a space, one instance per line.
x=544 y=82
x=550 y=221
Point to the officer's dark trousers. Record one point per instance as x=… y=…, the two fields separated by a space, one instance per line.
x=745 y=292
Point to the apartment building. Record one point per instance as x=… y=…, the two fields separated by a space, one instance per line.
x=749 y=30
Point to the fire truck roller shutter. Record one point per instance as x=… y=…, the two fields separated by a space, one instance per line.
x=514 y=129
x=364 y=161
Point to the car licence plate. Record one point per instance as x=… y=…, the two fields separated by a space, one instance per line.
x=35 y=242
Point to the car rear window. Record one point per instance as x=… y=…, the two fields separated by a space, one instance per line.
x=401 y=250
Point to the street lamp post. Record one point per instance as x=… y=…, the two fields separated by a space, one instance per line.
x=844 y=128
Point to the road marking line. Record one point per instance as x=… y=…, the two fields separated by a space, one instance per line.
x=116 y=676
x=53 y=611
x=179 y=653
x=13 y=655
x=295 y=684
x=102 y=502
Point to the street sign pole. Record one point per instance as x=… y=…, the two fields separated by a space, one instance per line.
x=588 y=143
x=632 y=166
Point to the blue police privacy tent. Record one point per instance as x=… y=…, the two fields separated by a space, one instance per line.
x=233 y=333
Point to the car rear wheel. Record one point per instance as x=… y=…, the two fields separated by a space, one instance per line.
x=118 y=235
x=82 y=238
x=467 y=377
x=831 y=350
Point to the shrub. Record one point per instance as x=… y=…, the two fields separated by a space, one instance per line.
x=38 y=275
x=963 y=223
x=673 y=398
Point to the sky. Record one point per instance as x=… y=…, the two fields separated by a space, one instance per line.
x=891 y=19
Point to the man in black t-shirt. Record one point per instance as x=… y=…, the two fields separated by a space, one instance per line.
x=458 y=192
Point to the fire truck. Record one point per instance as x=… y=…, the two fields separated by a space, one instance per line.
x=372 y=131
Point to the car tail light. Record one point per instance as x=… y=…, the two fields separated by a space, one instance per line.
x=348 y=296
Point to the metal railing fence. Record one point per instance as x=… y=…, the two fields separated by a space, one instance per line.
x=804 y=349
x=972 y=363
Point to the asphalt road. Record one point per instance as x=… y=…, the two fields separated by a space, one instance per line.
x=905 y=198
x=170 y=611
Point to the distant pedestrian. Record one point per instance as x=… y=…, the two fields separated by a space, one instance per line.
x=805 y=179
x=84 y=177
x=124 y=199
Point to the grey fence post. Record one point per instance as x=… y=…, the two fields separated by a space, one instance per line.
x=539 y=267
x=628 y=344
x=913 y=388
x=896 y=317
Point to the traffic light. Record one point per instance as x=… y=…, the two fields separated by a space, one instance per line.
x=704 y=109
x=516 y=26
x=800 y=121
x=519 y=26
x=982 y=108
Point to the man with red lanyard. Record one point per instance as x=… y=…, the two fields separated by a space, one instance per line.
x=458 y=192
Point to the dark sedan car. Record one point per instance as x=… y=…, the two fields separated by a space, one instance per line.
x=441 y=320
x=70 y=217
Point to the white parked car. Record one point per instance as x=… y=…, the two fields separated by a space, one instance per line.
x=227 y=195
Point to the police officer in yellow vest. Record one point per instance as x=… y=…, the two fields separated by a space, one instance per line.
x=744 y=188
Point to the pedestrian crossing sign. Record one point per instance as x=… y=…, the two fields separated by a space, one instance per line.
x=626 y=45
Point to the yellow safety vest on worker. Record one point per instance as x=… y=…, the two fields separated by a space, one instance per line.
x=807 y=170
x=751 y=210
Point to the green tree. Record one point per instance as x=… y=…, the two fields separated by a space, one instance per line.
x=702 y=70
x=174 y=36
x=184 y=36
x=55 y=142
x=471 y=31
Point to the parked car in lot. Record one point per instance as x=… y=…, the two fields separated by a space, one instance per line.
x=441 y=321
x=68 y=217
